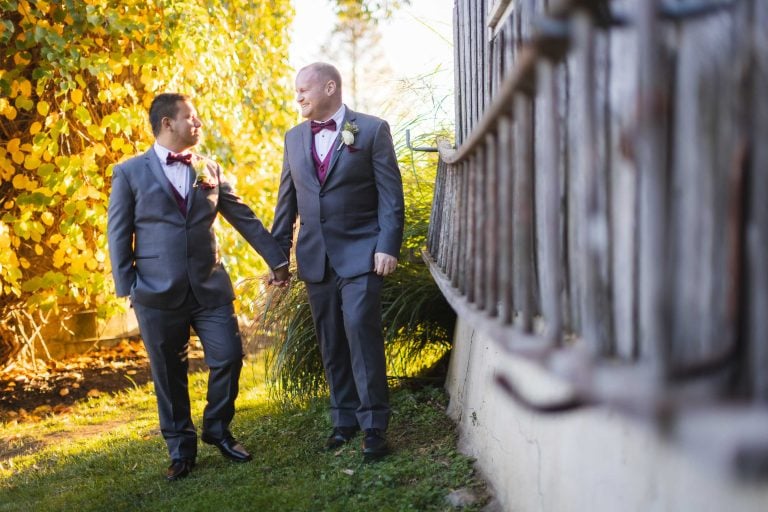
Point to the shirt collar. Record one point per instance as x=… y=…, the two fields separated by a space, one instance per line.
x=162 y=152
x=338 y=116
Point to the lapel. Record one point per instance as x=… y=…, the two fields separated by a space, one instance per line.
x=192 y=177
x=153 y=162
x=349 y=117
x=306 y=144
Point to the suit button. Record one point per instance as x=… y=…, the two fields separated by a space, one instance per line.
x=322 y=219
x=322 y=194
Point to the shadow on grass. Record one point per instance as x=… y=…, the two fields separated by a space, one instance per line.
x=123 y=469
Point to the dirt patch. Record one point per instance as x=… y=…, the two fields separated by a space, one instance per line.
x=15 y=446
x=29 y=394
x=54 y=386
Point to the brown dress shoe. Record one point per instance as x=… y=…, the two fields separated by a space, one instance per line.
x=179 y=468
x=340 y=436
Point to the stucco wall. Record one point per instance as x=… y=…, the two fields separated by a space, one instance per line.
x=590 y=460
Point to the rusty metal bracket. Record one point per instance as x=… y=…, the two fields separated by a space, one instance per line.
x=565 y=405
x=751 y=461
x=607 y=17
x=705 y=368
x=426 y=149
x=552 y=37
x=682 y=11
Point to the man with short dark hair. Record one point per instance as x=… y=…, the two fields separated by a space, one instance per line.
x=340 y=176
x=165 y=257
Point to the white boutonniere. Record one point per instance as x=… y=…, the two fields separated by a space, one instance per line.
x=202 y=178
x=348 y=132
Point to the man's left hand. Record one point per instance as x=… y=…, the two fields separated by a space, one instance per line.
x=280 y=277
x=384 y=264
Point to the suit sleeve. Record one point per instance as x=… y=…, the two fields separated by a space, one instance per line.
x=120 y=230
x=286 y=207
x=244 y=220
x=389 y=187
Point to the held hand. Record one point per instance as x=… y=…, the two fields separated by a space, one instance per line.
x=280 y=277
x=384 y=264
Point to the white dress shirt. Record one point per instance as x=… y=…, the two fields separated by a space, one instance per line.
x=177 y=173
x=324 y=139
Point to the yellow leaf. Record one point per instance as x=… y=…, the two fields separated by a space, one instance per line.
x=31 y=162
x=59 y=258
x=24 y=102
x=100 y=149
x=8 y=204
x=17 y=156
x=23 y=8
x=38 y=249
x=47 y=218
x=35 y=128
x=92 y=264
x=18 y=58
x=77 y=96
x=117 y=143
x=13 y=145
x=10 y=113
x=43 y=107
x=24 y=262
x=19 y=181
x=26 y=88
x=7 y=168
x=96 y=132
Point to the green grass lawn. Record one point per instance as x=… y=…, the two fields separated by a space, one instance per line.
x=107 y=455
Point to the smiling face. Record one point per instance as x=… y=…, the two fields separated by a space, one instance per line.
x=182 y=131
x=318 y=96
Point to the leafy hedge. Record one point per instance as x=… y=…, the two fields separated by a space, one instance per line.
x=76 y=79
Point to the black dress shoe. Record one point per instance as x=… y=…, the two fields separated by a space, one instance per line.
x=374 y=444
x=229 y=448
x=340 y=436
x=179 y=468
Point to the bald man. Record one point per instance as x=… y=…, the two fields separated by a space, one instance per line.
x=340 y=177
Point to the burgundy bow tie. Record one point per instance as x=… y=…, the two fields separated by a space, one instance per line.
x=318 y=127
x=179 y=157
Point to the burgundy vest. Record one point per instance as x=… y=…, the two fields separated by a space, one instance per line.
x=321 y=166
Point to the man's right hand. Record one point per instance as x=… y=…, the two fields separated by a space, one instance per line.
x=280 y=276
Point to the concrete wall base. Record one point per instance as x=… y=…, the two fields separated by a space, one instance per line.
x=592 y=460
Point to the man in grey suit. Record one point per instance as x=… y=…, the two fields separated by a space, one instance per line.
x=165 y=257
x=340 y=176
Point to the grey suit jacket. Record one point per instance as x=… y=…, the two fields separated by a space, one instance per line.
x=356 y=212
x=157 y=253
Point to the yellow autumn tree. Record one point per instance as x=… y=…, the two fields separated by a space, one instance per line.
x=76 y=79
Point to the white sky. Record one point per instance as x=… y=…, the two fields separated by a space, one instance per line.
x=415 y=42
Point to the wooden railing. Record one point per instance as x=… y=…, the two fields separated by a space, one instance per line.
x=605 y=211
